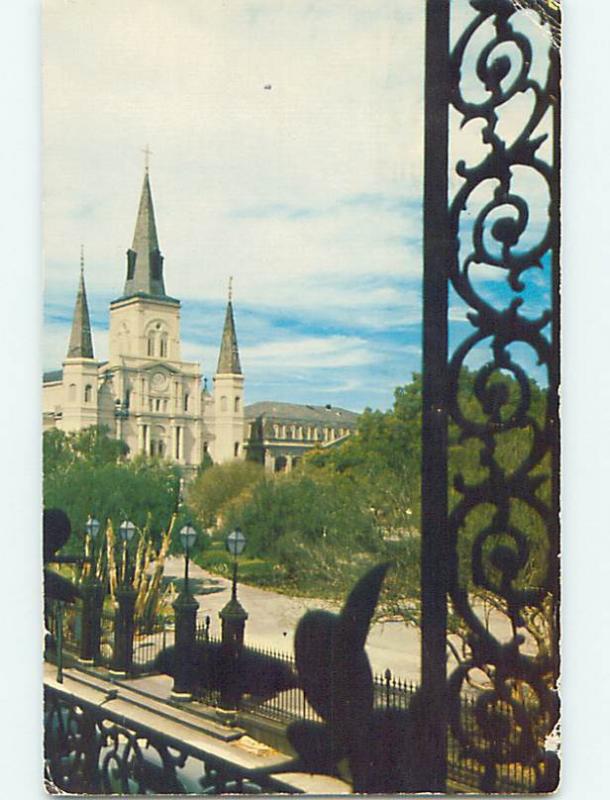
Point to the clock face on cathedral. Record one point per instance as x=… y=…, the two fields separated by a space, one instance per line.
x=159 y=381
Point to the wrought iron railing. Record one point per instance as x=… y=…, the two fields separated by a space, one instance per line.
x=91 y=749
x=285 y=707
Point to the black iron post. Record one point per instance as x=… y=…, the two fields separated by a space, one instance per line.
x=438 y=248
x=233 y=617
x=93 y=597
x=123 y=630
x=59 y=633
x=185 y=610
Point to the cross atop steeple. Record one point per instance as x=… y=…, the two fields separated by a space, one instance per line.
x=230 y=288
x=82 y=259
x=147 y=153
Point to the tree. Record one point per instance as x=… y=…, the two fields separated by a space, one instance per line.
x=314 y=526
x=91 y=445
x=86 y=473
x=218 y=487
x=383 y=459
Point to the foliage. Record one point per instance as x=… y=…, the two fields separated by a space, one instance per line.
x=383 y=460
x=86 y=473
x=217 y=487
x=60 y=450
x=310 y=526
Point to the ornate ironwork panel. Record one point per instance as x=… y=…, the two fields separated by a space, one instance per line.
x=91 y=750
x=491 y=378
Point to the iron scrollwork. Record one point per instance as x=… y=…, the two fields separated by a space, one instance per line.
x=88 y=750
x=503 y=522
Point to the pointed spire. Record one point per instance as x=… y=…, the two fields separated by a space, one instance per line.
x=144 y=259
x=228 y=360
x=81 y=344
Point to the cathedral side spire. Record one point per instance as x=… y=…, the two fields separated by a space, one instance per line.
x=228 y=359
x=81 y=344
x=144 y=259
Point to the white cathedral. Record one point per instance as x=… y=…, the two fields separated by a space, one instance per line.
x=152 y=400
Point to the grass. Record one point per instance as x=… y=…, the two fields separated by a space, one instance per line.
x=256 y=571
x=268 y=574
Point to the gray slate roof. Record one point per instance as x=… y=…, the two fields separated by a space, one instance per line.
x=294 y=412
x=81 y=344
x=147 y=275
x=52 y=376
x=228 y=359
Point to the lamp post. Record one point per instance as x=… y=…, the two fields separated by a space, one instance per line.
x=236 y=542
x=126 y=532
x=188 y=534
x=124 y=619
x=233 y=617
x=93 y=595
x=185 y=612
x=92 y=528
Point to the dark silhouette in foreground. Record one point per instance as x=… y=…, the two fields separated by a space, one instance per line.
x=262 y=676
x=380 y=745
x=55 y=533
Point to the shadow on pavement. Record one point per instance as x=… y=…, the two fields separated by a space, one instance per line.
x=196 y=585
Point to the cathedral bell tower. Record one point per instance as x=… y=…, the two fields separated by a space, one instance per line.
x=154 y=398
x=79 y=406
x=144 y=321
x=228 y=395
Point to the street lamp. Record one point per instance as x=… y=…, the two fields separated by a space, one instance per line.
x=92 y=527
x=126 y=532
x=236 y=541
x=233 y=618
x=188 y=534
x=93 y=597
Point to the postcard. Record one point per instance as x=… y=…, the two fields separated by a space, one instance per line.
x=300 y=396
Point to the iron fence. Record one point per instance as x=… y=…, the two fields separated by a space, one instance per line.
x=286 y=706
x=395 y=693
x=147 y=644
x=291 y=705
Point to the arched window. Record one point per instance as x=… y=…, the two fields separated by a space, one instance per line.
x=88 y=393
x=150 y=347
x=223 y=403
x=236 y=407
x=163 y=346
x=158 y=404
x=236 y=449
x=186 y=401
x=72 y=391
x=157 y=441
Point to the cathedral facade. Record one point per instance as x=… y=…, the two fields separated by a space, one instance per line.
x=155 y=402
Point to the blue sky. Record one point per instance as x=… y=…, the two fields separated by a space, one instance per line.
x=308 y=194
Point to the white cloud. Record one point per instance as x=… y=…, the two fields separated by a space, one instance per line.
x=317 y=352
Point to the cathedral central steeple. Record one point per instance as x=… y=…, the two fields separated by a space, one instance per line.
x=144 y=259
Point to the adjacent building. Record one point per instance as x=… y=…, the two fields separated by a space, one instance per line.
x=146 y=395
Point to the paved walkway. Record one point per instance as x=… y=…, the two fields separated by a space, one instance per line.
x=273 y=619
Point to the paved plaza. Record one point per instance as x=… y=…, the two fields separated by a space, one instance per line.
x=273 y=617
